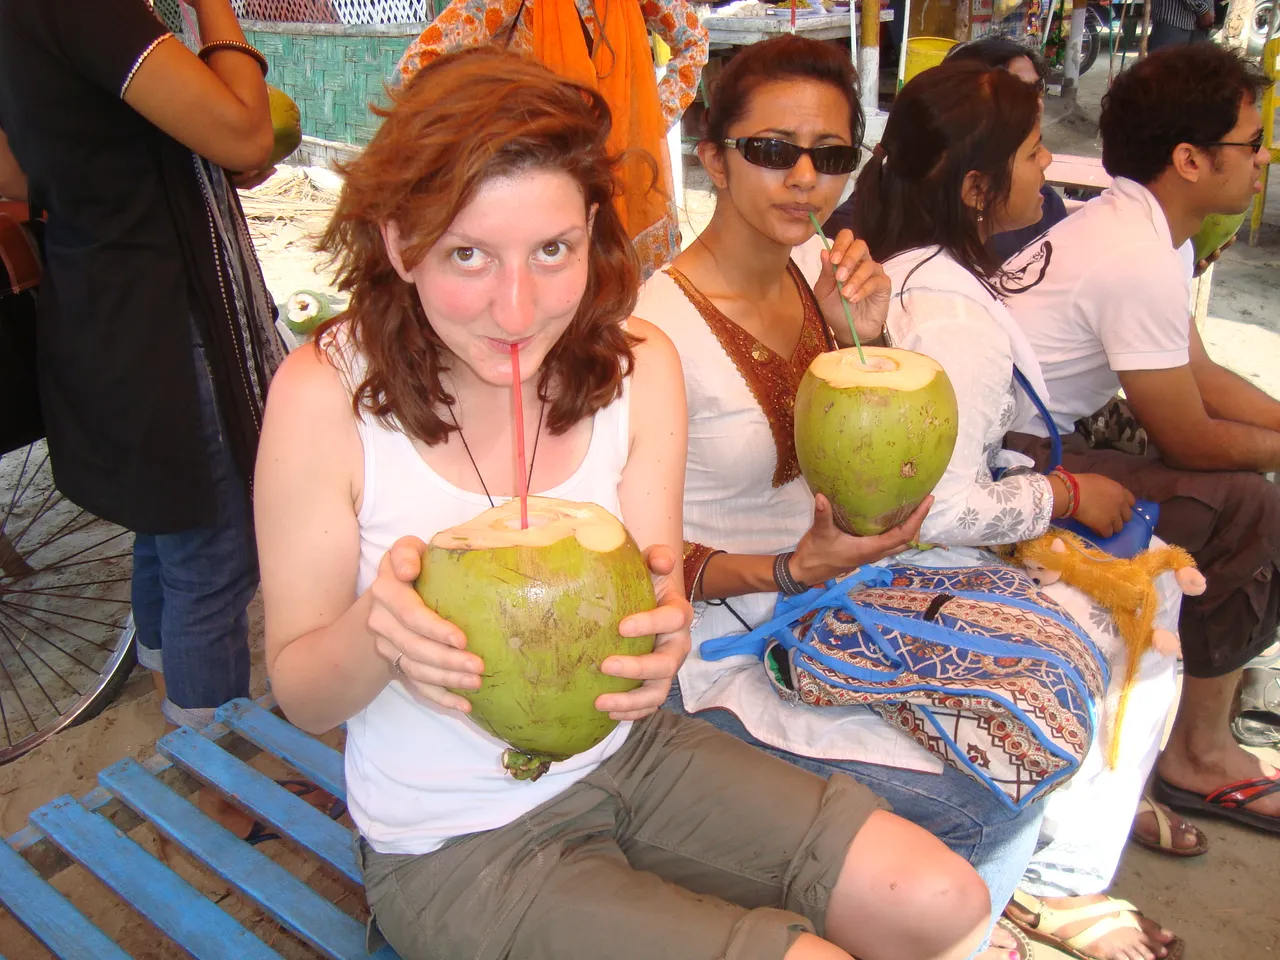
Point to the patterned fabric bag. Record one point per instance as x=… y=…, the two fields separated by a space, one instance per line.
x=974 y=663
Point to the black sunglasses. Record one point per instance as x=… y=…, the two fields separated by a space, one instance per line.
x=1255 y=144
x=835 y=159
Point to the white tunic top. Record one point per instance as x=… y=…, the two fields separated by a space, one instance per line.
x=731 y=503
x=418 y=775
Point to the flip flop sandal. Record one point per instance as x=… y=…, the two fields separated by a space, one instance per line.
x=261 y=833
x=1257 y=722
x=1229 y=802
x=1165 y=843
x=1049 y=920
x=1024 y=947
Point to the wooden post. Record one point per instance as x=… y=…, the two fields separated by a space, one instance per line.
x=869 y=55
x=1146 y=29
x=1071 y=76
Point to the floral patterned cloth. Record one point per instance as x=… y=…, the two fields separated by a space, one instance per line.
x=471 y=23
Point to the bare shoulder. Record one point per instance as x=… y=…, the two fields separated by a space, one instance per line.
x=655 y=346
x=309 y=380
x=309 y=415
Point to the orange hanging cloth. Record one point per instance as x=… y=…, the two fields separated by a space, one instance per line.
x=621 y=68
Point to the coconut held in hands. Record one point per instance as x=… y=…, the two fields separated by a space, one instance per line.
x=874 y=439
x=541 y=607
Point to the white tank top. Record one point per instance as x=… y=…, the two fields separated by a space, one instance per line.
x=418 y=775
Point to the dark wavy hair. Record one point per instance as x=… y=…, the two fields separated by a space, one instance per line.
x=953 y=118
x=1187 y=94
x=784 y=57
x=462 y=120
x=997 y=52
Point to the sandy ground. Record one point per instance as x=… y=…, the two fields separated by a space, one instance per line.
x=1223 y=905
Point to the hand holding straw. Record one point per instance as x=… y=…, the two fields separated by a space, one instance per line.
x=848 y=314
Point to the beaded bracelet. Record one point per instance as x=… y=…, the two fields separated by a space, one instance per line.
x=782 y=578
x=1073 y=489
x=216 y=45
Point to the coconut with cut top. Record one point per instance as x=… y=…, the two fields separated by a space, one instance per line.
x=876 y=437
x=541 y=607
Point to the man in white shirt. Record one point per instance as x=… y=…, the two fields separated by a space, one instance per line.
x=1182 y=135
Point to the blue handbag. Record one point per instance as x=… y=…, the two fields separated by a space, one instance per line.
x=974 y=663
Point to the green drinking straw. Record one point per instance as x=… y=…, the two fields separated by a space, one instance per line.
x=848 y=314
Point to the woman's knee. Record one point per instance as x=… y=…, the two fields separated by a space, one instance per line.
x=926 y=901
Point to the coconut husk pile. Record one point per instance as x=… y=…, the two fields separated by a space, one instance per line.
x=290 y=196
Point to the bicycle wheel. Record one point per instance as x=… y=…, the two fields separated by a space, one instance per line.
x=66 y=632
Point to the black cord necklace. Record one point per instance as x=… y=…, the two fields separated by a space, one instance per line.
x=475 y=466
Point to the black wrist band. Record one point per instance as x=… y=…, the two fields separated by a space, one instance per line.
x=782 y=578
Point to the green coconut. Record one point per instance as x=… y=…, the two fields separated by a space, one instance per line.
x=305 y=310
x=874 y=439
x=541 y=608
x=1216 y=230
x=286 y=121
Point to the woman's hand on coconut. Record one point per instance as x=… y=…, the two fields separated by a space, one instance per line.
x=862 y=281
x=431 y=651
x=826 y=551
x=1104 y=505
x=669 y=622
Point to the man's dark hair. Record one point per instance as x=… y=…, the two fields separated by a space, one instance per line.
x=997 y=52
x=1186 y=94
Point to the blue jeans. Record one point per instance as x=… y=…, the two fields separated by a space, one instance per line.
x=191 y=589
x=959 y=811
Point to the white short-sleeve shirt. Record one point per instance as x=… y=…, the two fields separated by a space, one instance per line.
x=1106 y=291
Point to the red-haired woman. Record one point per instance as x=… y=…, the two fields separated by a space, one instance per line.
x=669 y=838
x=605 y=45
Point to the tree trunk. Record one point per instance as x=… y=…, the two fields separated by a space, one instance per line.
x=1235 y=30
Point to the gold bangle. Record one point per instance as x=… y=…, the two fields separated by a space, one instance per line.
x=216 y=45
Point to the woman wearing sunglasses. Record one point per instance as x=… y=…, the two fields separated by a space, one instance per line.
x=961 y=160
x=782 y=138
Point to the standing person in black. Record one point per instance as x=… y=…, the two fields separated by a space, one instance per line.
x=155 y=330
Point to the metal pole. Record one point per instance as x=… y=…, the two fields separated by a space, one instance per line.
x=868 y=54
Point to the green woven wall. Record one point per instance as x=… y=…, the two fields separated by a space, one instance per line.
x=333 y=78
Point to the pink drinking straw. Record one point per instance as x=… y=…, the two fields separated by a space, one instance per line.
x=517 y=405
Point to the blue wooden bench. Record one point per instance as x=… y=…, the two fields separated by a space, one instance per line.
x=92 y=832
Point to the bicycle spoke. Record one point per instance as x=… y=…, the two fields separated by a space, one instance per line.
x=47 y=592
x=18 y=488
x=13 y=683
x=115 y=536
x=67 y=586
x=66 y=653
x=6 y=608
x=62 y=613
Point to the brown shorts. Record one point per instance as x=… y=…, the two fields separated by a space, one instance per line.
x=1229 y=521
x=685 y=843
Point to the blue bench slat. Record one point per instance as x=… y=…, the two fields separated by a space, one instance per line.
x=258 y=877
x=151 y=888
x=49 y=916
x=306 y=754
x=264 y=798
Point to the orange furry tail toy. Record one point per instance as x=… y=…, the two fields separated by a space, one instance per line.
x=1125 y=588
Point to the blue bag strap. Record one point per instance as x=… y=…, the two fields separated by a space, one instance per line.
x=1055 y=438
x=787 y=612
x=868 y=619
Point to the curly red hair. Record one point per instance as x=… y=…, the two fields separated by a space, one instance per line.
x=463 y=119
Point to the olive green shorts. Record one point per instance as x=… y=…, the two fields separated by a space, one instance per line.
x=687 y=843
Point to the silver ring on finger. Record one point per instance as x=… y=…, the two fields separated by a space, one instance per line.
x=395 y=665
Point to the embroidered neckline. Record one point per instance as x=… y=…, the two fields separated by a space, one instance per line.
x=772 y=378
